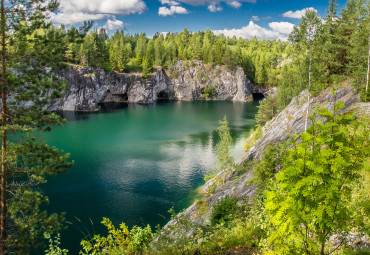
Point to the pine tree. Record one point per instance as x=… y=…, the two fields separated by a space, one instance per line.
x=225 y=161
x=31 y=50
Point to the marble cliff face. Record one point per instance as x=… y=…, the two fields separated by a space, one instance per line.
x=88 y=87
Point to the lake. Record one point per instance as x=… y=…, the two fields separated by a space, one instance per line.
x=134 y=163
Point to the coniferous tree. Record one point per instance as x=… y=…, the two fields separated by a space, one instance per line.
x=31 y=50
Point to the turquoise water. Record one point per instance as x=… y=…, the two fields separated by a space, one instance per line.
x=133 y=164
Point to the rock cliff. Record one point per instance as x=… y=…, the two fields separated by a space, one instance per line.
x=88 y=87
x=288 y=122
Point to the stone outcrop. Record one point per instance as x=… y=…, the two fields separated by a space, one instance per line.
x=288 y=122
x=88 y=87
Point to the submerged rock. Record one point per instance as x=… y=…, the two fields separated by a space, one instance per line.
x=88 y=87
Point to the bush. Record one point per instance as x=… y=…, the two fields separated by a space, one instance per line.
x=223 y=211
x=256 y=134
x=140 y=239
x=209 y=92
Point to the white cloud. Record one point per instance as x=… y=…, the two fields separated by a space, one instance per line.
x=215 y=8
x=279 y=30
x=164 y=34
x=169 y=2
x=214 y=5
x=255 y=18
x=72 y=11
x=234 y=4
x=207 y=2
x=164 y=11
x=284 y=28
x=74 y=18
x=114 y=24
x=297 y=14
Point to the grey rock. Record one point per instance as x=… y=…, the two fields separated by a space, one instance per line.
x=288 y=122
x=88 y=87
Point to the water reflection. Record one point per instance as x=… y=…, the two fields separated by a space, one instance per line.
x=134 y=163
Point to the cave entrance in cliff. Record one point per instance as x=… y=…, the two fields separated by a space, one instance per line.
x=163 y=96
x=121 y=97
x=258 y=96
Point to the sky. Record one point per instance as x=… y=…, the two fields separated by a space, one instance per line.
x=265 y=19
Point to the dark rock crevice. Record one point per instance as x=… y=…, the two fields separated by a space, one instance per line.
x=258 y=96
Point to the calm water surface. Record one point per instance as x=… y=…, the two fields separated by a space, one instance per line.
x=133 y=164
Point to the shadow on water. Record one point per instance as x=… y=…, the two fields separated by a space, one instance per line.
x=85 y=115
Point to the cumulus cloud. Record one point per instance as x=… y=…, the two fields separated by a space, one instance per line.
x=72 y=11
x=297 y=14
x=279 y=30
x=234 y=4
x=164 y=11
x=255 y=18
x=114 y=24
x=284 y=28
x=74 y=18
x=207 y=2
x=169 y=2
x=215 y=7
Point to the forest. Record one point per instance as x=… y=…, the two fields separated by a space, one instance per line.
x=329 y=162
x=337 y=47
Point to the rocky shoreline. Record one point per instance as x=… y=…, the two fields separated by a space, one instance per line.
x=183 y=81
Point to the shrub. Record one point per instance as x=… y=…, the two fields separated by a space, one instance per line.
x=223 y=211
x=209 y=92
x=256 y=134
x=140 y=239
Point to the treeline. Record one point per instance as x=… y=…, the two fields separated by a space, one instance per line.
x=127 y=53
x=324 y=52
x=336 y=47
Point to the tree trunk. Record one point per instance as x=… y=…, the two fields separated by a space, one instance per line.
x=309 y=91
x=368 y=71
x=322 y=252
x=3 y=219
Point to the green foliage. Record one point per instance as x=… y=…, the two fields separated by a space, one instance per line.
x=256 y=134
x=33 y=53
x=202 y=207
x=187 y=237
x=140 y=239
x=224 y=159
x=267 y=109
x=324 y=166
x=213 y=188
x=209 y=92
x=146 y=67
x=118 y=241
x=54 y=246
x=224 y=210
x=272 y=160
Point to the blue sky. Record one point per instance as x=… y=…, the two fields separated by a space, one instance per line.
x=270 y=19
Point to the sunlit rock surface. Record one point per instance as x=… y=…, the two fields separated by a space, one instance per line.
x=186 y=81
x=288 y=122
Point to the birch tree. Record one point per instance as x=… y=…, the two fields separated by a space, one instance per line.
x=304 y=36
